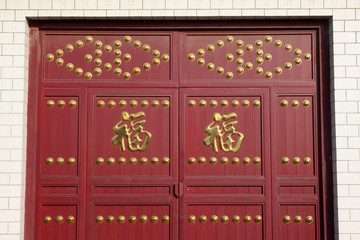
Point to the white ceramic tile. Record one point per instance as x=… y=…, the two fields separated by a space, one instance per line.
x=176 y=4
x=40 y=4
x=108 y=4
x=154 y=4
x=63 y=4
x=131 y=4
x=17 y=4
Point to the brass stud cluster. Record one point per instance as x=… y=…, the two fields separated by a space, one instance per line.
x=132 y=219
x=107 y=49
x=298 y=219
x=295 y=103
x=224 y=103
x=133 y=161
x=61 y=103
x=224 y=219
x=296 y=160
x=223 y=160
x=60 y=161
x=249 y=48
x=133 y=103
x=59 y=219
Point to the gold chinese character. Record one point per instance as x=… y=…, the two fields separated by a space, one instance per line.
x=136 y=138
x=230 y=140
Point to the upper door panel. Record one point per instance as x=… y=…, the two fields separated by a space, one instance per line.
x=59 y=136
x=228 y=59
x=133 y=134
x=224 y=133
x=125 y=57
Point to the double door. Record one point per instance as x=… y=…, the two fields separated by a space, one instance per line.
x=177 y=135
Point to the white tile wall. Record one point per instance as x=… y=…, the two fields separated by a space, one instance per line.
x=13 y=84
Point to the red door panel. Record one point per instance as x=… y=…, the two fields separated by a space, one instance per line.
x=121 y=57
x=222 y=178
x=58 y=222
x=223 y=134
x=133 y=137
x=297 y=222
x=117 y=152
x=224 y=222
x=132 y=222
x=229 y=58
x=59 y=155
x=296 y=136
x=133 y=160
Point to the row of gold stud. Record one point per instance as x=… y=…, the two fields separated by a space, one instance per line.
x=61 y=103
x=60 y=161
x=88 y=57
x=231 y=57
x=224 y=160
x=117 y=43
x=250 y=47
x=117 y=61
x=295 y=103
x=108 y=66
x=240 y=43
x=107 y=48
x=132 y=219
x=143 y=161
x=248 y=66
x=298 y=219
x=225 y=103
x=134 y=103
x=240 y=62
x=296 y=160
x=225 y=219
x=117 y=71
x=59 y=219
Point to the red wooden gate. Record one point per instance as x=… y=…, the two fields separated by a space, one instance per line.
x=176 y=134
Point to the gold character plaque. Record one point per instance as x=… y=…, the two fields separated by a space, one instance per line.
x=133 y=136
x=222 y=129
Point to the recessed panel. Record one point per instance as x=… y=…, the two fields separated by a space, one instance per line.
x=132 y=191
x=213 y=222
x=125 y=57
x=235 y=57
x=223 y=136
x=295 y=125
x=297 y=190
x=60 y=133
x=132 y=136
x=221 y=191
x=141 y=222
x=59 y=190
